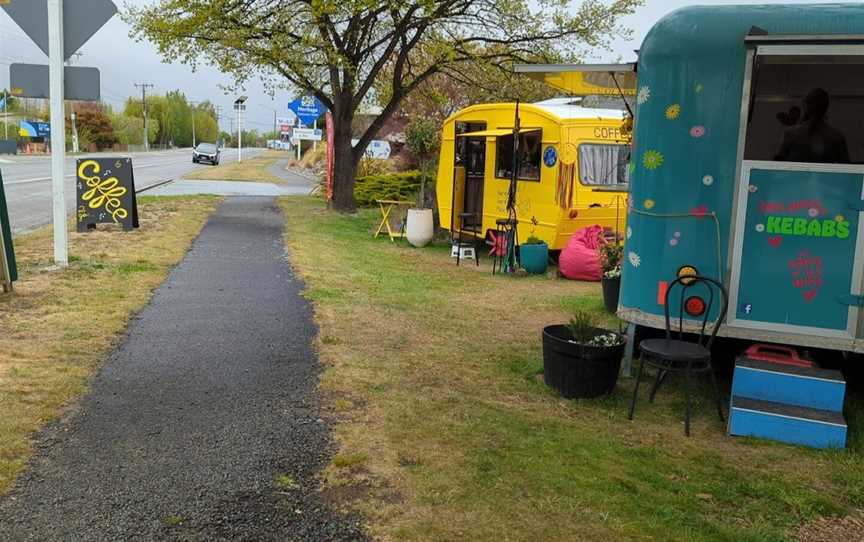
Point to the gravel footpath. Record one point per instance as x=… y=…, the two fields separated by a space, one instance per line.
x=207 y=402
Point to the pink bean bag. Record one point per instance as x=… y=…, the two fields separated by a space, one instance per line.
x=580 y=260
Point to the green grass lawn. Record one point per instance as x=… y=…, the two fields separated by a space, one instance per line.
x=446 y=432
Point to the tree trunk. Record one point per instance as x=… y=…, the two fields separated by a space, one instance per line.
x=344 y=162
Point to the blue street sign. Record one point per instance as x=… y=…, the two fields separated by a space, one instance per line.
x=307 y=109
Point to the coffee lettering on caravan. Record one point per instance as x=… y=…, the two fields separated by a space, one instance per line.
x=605 y=132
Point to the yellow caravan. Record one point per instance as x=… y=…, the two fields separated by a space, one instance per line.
x=573 y=168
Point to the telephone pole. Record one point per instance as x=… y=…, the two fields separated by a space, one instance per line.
x=192 y=106
x=144 y=87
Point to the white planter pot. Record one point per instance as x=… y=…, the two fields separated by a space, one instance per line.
x=419 y=227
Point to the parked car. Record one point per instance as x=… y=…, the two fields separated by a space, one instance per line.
x=206 y=152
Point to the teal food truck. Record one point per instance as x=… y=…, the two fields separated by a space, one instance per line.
x=749 y=168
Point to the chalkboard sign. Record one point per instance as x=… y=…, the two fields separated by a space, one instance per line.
x=8 y=269
x=106 y=193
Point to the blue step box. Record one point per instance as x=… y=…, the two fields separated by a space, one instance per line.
x=795 y=405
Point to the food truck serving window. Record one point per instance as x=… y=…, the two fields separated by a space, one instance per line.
x=807 y=108
x=602 y=164
x=529 y=159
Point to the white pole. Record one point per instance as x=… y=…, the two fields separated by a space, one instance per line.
x=6 y=113
x=58 y=129
x=315 y=143
x=239 y=134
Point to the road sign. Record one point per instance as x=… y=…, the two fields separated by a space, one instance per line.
x=283 y=125
x=32 y=81
x=307 y=109
x=81 y=20
x=34 y=128
x=307 y=134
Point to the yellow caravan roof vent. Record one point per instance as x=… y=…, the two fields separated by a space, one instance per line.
x=584 y=79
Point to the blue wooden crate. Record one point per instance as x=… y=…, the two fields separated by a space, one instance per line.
x=786 y=423
x=820 y=389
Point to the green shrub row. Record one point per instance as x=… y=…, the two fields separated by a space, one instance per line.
x=393 y=186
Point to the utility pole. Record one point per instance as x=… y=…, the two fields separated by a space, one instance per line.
x=218 y=123
x=192 y=105
x=144 y=87
x=58 y=130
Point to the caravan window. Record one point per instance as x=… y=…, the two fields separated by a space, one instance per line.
x=806 y=108
x=462 y=142
x=529 y=159
x=602 y=164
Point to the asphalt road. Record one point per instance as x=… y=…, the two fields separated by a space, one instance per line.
x=27 y=181
x=195 y=417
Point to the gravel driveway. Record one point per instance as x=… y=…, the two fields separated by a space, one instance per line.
x=202 y=424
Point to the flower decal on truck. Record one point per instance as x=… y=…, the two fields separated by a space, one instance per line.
x=652 y=159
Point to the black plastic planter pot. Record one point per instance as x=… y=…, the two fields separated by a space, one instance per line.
x=576 y=370
x=611 y=287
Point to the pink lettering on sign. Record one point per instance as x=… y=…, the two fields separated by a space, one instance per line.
x=806 y=271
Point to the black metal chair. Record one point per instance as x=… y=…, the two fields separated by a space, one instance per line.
x=678 y=355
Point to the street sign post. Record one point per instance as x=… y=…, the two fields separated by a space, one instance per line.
x=307 y=109
x=240 y=107
x=65 y=32
x=32 y=81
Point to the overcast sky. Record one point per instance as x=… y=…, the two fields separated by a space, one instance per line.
x=123 y=62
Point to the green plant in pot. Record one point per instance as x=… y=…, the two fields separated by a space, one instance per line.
x=423 y=140
x=581 y=360
x=534 y=255
x=610 y=263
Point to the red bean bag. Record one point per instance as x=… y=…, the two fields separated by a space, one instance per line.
x=580 y=259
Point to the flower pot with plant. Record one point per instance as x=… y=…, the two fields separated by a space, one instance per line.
x=534 y=255
x=610 y=263
x=422 y=139
x=581 y=360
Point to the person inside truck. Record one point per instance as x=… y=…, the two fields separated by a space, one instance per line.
x=814 y=140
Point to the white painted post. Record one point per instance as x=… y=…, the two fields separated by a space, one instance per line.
x=315 y=143
x=58 y=130
x=239 y=133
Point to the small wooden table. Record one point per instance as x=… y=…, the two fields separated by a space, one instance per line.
x=396 y=231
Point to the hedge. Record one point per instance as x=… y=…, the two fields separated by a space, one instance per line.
x=394 y=186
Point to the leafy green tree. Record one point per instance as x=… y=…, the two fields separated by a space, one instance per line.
x=337 y=49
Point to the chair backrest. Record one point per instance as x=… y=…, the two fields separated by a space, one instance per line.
x=697 y=307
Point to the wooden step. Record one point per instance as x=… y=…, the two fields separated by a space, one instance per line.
x=786 y=423
x=808 y=387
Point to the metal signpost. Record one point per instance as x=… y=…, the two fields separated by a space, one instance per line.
x=240 y=107
x=65 y=32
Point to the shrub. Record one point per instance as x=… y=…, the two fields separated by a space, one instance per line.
x=395 y=186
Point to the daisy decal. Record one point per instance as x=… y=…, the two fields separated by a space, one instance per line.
x=648 y=204
x=760 y=227
x=634 y=258
x=707 y=180
x=698 y=88
x=629 y=232
x=673 y=111
x=697 y=131
x=644 y=95
x=652 y=159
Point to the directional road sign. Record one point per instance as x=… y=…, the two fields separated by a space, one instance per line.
x=31 y=81
x=307 y=109
x=81 y=19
